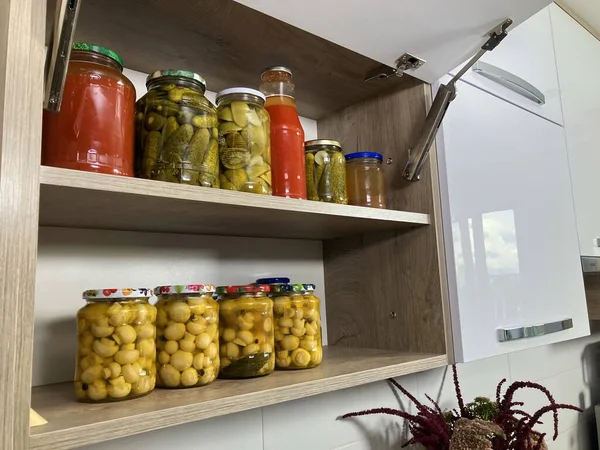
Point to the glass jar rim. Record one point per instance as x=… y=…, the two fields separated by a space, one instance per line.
x=175 y=74
x=240 y=90
x=317 y=144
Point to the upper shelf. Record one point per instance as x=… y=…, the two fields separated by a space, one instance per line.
x=229 y=44
x=72 y=424
x=71 y=198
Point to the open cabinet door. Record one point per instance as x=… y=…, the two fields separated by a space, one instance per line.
x=444 y=33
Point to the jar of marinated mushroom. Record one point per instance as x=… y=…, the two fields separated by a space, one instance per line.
x=115 y=359
x=176 y=130
x=244 y=143
x=187 y=329
x=246 y=331
x=297 y=313
x=325 y=171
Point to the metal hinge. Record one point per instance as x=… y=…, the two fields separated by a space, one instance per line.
x=446 y=93
x=403 y=63
x=59 y=52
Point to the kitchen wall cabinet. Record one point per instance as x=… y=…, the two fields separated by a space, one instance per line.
x=444 y=33
x=578 y=62
x=509 y=226
x=384 y=270
x=523 y=69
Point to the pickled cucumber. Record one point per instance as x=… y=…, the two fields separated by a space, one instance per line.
x=244 y=130
x=188 y=123
x=310 y=176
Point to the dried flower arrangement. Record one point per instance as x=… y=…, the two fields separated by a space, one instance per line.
x=480 y=425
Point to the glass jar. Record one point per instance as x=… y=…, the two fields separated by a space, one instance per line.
x=297 y=313
x=187 y=330
x=287 y=135
x=244 y=143
x=365 y=179
x=325 y=171
x=176 y=127
x=94 y=129
x=246 y=331
x=115 y=359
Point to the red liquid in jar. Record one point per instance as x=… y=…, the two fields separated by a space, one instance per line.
x=287 y=148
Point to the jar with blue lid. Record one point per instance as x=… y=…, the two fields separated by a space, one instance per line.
x=297 y=314
x=365 y=180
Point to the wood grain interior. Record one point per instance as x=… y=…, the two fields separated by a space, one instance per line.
x=591 y=283
x=72 y=424
x=21 y=95
x=71 y=198
x=384 y=289
x=229 y=44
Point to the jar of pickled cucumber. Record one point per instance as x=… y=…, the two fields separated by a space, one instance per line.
x=297 y=313
x=176 y=130
x=325 y=171
x=244 y=143
x=116 y=355
x=187 y=330
x=246 y=331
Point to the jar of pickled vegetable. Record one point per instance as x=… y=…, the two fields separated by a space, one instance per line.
x=325 y=171
x=246 y=331
x=365 y=179
x=187 y=330
x=94 y=129
x=176 y=130
x=116 y=356
x=297 y=313
x=244 y=143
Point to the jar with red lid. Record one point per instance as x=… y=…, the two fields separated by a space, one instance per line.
x=94 y=129
x=187 y=331
x=246 y=331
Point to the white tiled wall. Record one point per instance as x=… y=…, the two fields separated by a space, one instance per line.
x=571 y=370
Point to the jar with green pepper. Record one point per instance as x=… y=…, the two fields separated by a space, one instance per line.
x=177 y=130
x=244 y=143
x=325 y=171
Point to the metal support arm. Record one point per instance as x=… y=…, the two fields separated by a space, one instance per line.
x=446 y=93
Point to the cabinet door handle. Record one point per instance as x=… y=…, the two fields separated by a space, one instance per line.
x=512 y=334
x=510 y=81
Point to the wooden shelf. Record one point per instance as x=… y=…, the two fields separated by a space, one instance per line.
x=71 y=198
x=72 y=424
x=229 y=44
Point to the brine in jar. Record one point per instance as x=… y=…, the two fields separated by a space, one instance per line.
x=116 y=354
x=244 y=142
x=365 y=179
x=246 y=331
x=187 y=330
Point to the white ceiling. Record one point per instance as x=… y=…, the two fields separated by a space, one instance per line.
x=587 y=11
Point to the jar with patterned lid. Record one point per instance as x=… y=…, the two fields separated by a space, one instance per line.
x=246 y=331
x=297 y=314
x=187 y=328
x=116 y=354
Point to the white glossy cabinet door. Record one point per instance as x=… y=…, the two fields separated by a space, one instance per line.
x=522 y=70
x=509 y=223
x=578 y=59
x=442 y=32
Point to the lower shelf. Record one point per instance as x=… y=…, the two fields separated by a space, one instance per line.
x=72 y=424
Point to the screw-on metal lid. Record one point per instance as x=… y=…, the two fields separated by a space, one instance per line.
x=244 y=289
x=112 y=294
x=375 y=155
x=176 y=73
x=82 y=46
x=185 y=289
x=240 y=90
x=316 y=144
x=276 y=69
